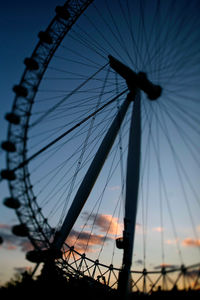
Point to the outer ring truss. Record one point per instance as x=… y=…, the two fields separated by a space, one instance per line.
x=29 y=213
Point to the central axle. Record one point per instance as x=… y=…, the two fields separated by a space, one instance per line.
x=136 y=80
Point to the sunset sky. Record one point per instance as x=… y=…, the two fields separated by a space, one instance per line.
x=168 y=210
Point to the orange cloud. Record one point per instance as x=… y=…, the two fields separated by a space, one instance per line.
x=106 y=226
x=10 y=246
x=191 y=242
x=108 y=223
x=158 y=229
x=84 y=240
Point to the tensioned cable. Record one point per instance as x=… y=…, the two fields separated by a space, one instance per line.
x=68 y=109
x=165 y=188
x=78 y=150
x=118 y=35
x=67 y=132
x=162 y=182
x=69 y=95
x=180 y=172
x=183 y=171
x=87 y=160
x=83 y=149
x=190 y=144
x=69 y=113
x=136 y=50
x=51 y=194
x=78 y=54
x=100 y=198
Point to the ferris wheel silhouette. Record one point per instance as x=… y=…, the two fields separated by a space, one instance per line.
x=103 y=143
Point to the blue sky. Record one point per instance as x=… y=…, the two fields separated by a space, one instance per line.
x=20 y=23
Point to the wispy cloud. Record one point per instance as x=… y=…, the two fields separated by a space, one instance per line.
x=171 y=242
x=165 y=265
x=104 y=223
x=108 y=223
x=105 y=226
x=158 y=229
x=189 y=242
x=12 y=242
x=5 y=226
x=139 y=262
x=114 y=188
x=84 y=240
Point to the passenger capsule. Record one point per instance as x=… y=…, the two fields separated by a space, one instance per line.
x=8 y=146
x=38 y=256
x=11 y=202
x=120 y=243
x=20 y=230
x=45 y=37
x=62 y=12
x=34 y=256
x=20 y=90
x=31 y=64
x=12 y=118
x=8 y=174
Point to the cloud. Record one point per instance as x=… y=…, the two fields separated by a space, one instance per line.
x=108 y=223
x=5 y=226
x=12 y=242
x=106 y=228
x=114 y=188
x=164 y=265
x=105 y=223
x=25 y=245
x=85 y=240
x=139 y=262
x=158 y=229
x=189 y=242
x=171 y=242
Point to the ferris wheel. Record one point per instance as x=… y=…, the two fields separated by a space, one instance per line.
x=103 y=143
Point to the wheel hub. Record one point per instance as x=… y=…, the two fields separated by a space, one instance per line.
x=136 y=80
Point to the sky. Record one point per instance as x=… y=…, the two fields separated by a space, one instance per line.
x=20 y=23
